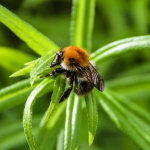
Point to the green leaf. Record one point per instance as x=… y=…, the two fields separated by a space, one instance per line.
x=125 y=119
x=27 y=117
x=22 y=71
x=76 y=122
x=68 y=127
x=120 y=47
x=131 y=106
x=58 y=90
x=82 y=23
x=92 y=114
x=15 y=94
x=60 y=141
x=37 y=41
x=26 y=69
x=41 y=65
x=48 y=133
x=12 y=135
x=130 y=83
x=73 y=122
x=8 y=58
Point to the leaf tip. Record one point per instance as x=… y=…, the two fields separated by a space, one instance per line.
x=91 y=138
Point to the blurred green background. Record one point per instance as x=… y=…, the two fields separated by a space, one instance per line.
x=114 y=20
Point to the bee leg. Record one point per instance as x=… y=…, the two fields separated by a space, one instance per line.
x=68 y=91
x=57 y=70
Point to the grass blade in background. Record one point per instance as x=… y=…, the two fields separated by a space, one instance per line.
x=48 y=133
x=92 y=115
x=15 y=94
x=120 y=49
x=82 y=23
x=73 y=122
x=12 y=135
x=81 y=32
x=130 y=83
x=143 y=114
x=12 y=59
x=25 y=70
x=37 y=41
x=126 y=120
x=58 y=90
x=41 y=65
x=60 y=141
x=76 y=122
x=68 y=127
x=27 y=118
x=117 y=43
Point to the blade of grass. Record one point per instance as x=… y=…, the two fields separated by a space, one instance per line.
x=68 y=127
x=92 y=114
x=143 y=114
x=8 y=58
x=13 y=133
x=27 y=117
x=60 y=141
x=76 y=122
x=37 y=41
x=120 y=44
x=124 y=119
x=82 y=23
x=72 y=125
x=25 y=70
x=130 y=83
x=58 y=90
x=121 y=49
x=15 y=94
x=41 y=65
x=48 y=133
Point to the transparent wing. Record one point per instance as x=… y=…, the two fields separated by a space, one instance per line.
x=92 y=75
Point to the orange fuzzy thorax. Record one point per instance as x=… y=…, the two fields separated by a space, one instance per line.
x=79 y=55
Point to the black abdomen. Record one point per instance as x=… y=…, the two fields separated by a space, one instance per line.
x=82 y=87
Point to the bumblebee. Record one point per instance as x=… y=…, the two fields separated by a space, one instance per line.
x=74 y=63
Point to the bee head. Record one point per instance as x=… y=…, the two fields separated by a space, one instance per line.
x=57 y=58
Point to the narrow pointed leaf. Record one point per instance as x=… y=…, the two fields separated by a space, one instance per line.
x=76 y=122
x=15 y=94
x=38 y=42
x=82 y=23
x=48 y=133
x=120 y=49
x=92 y=115
x=130 y=83
x=58 y=90
x=42 y=64
x=68 y=123
x=25 y=70
x=12 y=59
x=12 y=135
x=131 y=106
x=124 y=119
x=27 y=117
x=117 y=43
x=60 y=141
x=73 y=122
x=21 y=72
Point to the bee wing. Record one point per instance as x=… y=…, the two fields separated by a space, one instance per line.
x=93 y=76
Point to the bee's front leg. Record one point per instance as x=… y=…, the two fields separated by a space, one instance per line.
x=57 y=70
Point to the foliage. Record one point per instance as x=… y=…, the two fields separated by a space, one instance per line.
x=124 y=87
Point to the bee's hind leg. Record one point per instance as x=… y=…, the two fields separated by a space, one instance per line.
x=68 y=91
